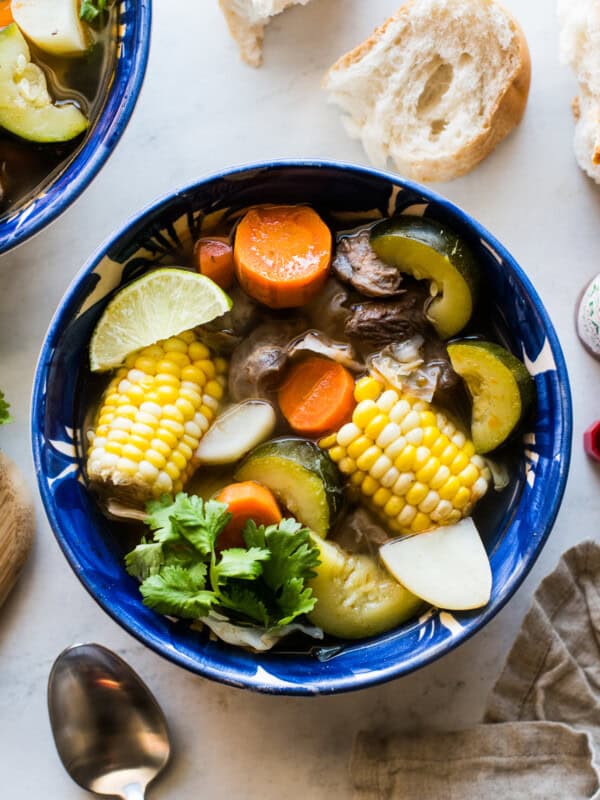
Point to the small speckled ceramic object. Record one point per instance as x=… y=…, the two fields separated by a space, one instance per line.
x=94 y=546
x=588 y=317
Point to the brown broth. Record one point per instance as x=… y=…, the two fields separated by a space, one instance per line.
x=26 y=167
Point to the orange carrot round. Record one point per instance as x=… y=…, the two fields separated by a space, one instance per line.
x=282 y=254
x=6 y=17
x=317 y=396
x=214 y=258
x=246 y=500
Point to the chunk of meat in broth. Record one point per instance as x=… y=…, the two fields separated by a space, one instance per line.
x=356 y=263
x=380 y=322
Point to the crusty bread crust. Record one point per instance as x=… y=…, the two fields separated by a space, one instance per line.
x=17 y=525
x=249 y=37
x=506 y=114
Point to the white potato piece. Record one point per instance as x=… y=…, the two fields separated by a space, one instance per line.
x=447 y=567
x=53 y=25
x=236 y=432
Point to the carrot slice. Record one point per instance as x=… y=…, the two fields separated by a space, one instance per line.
x=6 y=17
x=214 y=258
x=317 y=396
x=246 y=500
x=282 y=254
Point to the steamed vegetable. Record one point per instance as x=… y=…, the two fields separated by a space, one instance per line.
x=26 y=108
x=282 y=254
x=214 y=258
x=500 y=386
x=448 y=567
x=430 y=251
x=355 y=596
x=53 y=25
x=152 y=416
x=92 y=10
x=162 y=303
x=317 y=396
x=407 y=460
x=183 y=575
x=236 y=431
x=301 y=476
x=245 y=501
x=6 y=16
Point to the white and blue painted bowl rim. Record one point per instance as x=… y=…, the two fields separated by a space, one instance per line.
x=133 y=47
x=377 y=660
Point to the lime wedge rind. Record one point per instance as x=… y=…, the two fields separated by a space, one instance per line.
x=160 y=304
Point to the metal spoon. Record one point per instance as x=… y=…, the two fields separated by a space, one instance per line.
x=110 y=732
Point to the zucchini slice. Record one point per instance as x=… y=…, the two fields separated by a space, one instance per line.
x=501 y=388
x=430 y=251
x=301 y=476
x=356 y=596
x=26 y=108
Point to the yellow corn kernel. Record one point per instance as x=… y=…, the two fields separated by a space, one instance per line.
x=347 y=465
x=387 y=400
x=469 y=449
x=358 y=446
x=167 y=394
x=406 y=459
x=357 y=478
x=168 y=367
x=184 y=449
x=393 y=506
x=428 y=472
x=406 y=516
x=187 y=409
x=174 y=345
x=161 y=447
x=376 y=425
x=367 y=389
x=420 y=523
x=449 y=454
x=328 y=441
x=220 y=365
x=113 y=447
x=459 y=463
x=193 y=375
x=337 y=453
x=416 y=494
x=206 y=412
x=171 y=411
x=364 y=412
x=115 y=435
x=164 y=379
x=369 y=486
x=469 y=475
x=440 y=444
x=156 y=459
x=180 y=358
x=207 y=367
x=166 y=437
x=430 y=503
x=172 y=471
x=173 y=426
x=188 y=337
x=368 y=458
x=138 y=441
x=461 y=498
x=428 y=419
x=450 y=488
x=403 y=484
x=198 y=352
x=430 y=436
x=214 y=389
x=381 y=497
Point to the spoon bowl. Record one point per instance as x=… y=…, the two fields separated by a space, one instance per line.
x=110 y=732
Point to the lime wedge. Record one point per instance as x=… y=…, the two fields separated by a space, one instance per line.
x=162 y=303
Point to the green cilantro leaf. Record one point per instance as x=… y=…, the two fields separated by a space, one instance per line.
x=201 y=523
x=236 y=562
x=159 y=519
x=241 y=599
x=144 y=560
x=4 y=413
x=295 y=599
x=293 y=554
x=178 y=592
x=92 y=9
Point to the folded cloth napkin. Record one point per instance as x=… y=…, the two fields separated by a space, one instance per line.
x=540 y=738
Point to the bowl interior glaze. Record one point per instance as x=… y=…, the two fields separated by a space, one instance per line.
x=159 y=235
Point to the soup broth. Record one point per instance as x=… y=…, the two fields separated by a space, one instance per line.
x=27 y=167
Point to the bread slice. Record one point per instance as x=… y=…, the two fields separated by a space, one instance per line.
x=247 y=20
x=579 y=38
x=436 y=87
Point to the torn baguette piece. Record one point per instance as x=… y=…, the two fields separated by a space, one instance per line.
x=17 y=525
x=579 y=36
x=247 y=19
x=436 y=87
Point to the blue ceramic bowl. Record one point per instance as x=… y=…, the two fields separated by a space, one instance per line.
x=133 y=44
x=519 y=526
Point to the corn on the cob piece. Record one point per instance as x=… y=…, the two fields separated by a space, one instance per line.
x=152 y=416
x=407 y=459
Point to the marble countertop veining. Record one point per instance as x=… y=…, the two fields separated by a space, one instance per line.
x=201 y=110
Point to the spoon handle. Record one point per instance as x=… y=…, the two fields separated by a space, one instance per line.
x=133 y=791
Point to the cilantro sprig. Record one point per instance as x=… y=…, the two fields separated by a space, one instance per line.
x=92 y=10
x=184 y=575
x=4 y=410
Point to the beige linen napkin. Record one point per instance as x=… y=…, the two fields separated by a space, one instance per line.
x=541 y=733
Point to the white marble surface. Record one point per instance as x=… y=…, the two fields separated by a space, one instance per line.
x=201 y=109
